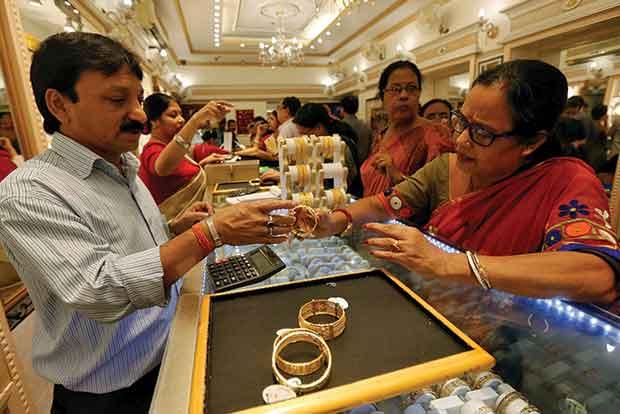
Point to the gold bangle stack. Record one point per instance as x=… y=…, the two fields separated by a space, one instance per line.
x=323 y=307
x=328 y=147
x=300 y=150
x=339 y=197
x=303 y=175
x=301 y=335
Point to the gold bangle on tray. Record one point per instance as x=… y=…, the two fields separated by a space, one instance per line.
x=323 y=307
x=298 y=368
x=301 y=335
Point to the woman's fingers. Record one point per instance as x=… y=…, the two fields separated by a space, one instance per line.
x=395 y=231
x=384 y=243
x=282 y=221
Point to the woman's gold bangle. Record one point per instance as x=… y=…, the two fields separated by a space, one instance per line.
x=301 y=335
x=323 y=307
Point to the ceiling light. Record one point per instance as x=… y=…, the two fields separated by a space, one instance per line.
x=76 y=11
x=216 y=14
x=355 y=69
x=217 y=7
x=311 y=46
x=36 y=2
x=127 y=3
x=328 y=33
x=67 y=3
x=242 y=45
x=163 y=53
x=338 y=23
x=319 y=40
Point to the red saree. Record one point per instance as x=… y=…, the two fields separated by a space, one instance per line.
x=558 y=204
x=409 y=153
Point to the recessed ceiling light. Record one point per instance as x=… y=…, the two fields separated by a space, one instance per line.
x=216 y=7
x=319 y=40
x=242 y=45
x=338 y=23
x=216 y=14
x=76 y=11
x=328 y=33
x=311 y=46
x=163 y=53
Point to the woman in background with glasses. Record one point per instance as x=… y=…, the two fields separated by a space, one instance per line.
x=409 y=141
x=533 y=223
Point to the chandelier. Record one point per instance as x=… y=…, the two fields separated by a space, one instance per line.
x=282 y=51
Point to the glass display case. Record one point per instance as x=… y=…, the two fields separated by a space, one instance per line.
x=561 y=358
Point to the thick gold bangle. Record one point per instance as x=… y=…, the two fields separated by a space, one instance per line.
x=297 y=231
x=300 y=368
x=323 y=307
x=301 y=335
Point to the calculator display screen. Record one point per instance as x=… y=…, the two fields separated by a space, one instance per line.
x=262 y=263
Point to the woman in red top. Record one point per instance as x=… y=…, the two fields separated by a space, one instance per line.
x=265 y=146
x=410 y=141
x=174 y=179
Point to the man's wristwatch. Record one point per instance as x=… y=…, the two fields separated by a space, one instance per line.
x=214 y=234
x=180 y=141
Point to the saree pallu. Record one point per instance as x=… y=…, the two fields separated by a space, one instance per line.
x=558 y=204
x=175 y=205
x=409 y=152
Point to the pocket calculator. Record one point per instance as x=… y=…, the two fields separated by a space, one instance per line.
x=244 y=269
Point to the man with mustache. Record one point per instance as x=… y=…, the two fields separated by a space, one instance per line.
x=102 y=267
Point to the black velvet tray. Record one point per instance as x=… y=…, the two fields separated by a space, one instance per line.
x=388 y=329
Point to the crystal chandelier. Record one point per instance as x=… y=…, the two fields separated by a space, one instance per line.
x=282 y=51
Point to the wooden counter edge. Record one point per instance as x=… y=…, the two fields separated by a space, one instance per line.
x=172 y=392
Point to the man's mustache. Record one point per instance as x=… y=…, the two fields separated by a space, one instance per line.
x=135 y=127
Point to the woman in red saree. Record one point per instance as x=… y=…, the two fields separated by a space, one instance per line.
x=537 y=224
x=409 y=141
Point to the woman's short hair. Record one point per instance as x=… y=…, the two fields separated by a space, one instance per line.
x=155 y=105
x=536 y=95
x=399 y=64
x=312 y=114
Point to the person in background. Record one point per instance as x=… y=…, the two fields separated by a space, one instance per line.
x=577 y=107
x=596 y=144
x=174 y=179
x=89 y=242
x=437 y=110
x=9 y=159
x=350 y=106
x=207 y=147
x=265 y=145
x=7 y=129
x=533 y=223
x=231 y=126
x=313 y=119
x=572 y=136
x=286 y=112
x=409 y=141
x=252 y=128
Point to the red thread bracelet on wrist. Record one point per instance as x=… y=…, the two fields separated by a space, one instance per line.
x=349 y=219
x=201 y=237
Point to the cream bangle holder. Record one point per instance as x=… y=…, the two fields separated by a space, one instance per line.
x=301 y=335
x=323 y=307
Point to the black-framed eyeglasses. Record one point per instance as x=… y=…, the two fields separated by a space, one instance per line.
x=477 y=133
x=411 y=89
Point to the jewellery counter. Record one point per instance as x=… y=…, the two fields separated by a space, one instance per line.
x=562 y=359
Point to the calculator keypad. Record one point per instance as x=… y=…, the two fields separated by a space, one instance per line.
x=234 y=271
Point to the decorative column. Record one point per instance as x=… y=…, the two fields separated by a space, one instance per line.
x=15 y=65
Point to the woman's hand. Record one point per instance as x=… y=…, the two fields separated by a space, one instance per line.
x=271 y=175
x=212 y=159
x=384 y=163
x=214 y=111
x=408 y=247
x=329 y=224
x=248 y=223
x=247 y=152
x=198 y=211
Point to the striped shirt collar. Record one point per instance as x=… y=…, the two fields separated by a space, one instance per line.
x=82 y=160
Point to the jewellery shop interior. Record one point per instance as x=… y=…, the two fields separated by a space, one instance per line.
x=310 y=206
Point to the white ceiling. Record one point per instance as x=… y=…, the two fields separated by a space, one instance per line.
x=189 y=25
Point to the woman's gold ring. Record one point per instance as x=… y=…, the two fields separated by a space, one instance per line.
x=396 y=246
x=270 y=221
